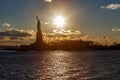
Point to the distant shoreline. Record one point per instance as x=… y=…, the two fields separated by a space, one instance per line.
x=13 y=48
x=68 y=45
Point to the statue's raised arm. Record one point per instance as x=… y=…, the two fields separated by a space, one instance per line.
x=37 y=18
x=38 y=24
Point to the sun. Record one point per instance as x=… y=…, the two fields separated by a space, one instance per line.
x=59 y=21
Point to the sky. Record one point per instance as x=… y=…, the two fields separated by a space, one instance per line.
x=88 y=18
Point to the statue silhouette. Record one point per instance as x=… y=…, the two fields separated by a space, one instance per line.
x=38 y=44
x=39 y=40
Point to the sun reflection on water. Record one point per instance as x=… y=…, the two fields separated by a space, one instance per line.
x=62 y=65
x=59 y=65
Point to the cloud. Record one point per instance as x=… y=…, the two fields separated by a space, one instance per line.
x=56 y=35
x=116 y=29
x=112 y=6
x=1 y=38
x=6 y=24
x=104 y=40
x=85 y=38
x=16 y=37
x=48 y=1
x=15 y=33
x=8 y=43
x=67 y=32
x=45 y=22
x=71 y=34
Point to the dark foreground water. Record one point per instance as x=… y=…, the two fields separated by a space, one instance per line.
x=60 y=65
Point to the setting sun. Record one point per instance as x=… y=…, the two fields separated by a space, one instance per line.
x=59 y=21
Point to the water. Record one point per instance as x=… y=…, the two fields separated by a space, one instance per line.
x=60 y=65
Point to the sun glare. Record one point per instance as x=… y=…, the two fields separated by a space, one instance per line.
x=59 y=21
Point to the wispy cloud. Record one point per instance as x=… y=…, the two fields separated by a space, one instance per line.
x=15 y=33
x=116 y=29
x=112 y=6
x=6 y=24
x=15 y=36
x=71 y=34
x=67 y=32
x=12 y=36
x=8 y=43
x=45 y=22
x=103 y=40
x=48 y=1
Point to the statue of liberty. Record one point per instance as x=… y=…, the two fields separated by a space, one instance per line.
x=39 y=39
